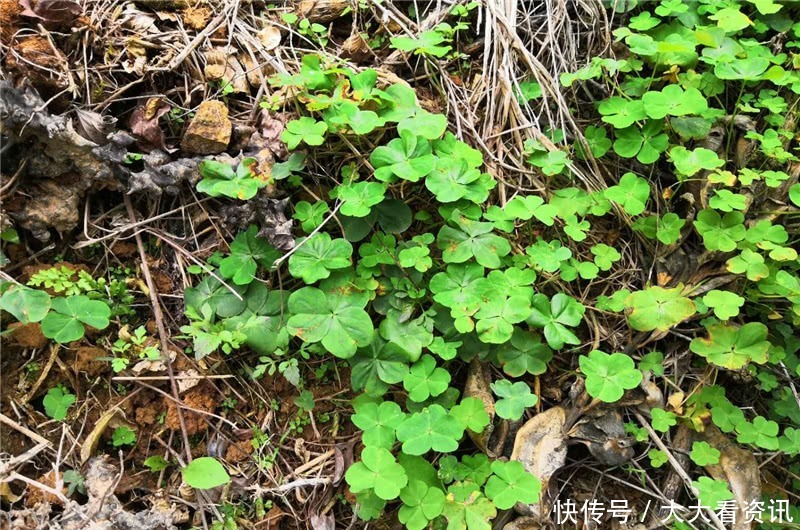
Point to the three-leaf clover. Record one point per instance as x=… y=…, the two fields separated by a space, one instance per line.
x=703 y=454
x=57 y=402
x=421 y=504
x=359 y=198
x=646 y=144
x=471 y=413
x=305 y=129
x=605 y=256
x=496 y=318
x=733 y=347
x=433 y=428
x=514 y=398
x=248 y=252
x=467 y=509
x=672 y=100
x=474 y=239
x=662 y=420
x=690 y=162
x=425 y=379
x=379 y=471
x=631 y=193
x=511 y=484
x=332 y=319
x=378 y=422
x=749 y=263
x=554 y=316
x=609 y=376
x=318 y=255
x=621 y=112
x=657 y=308
x=725 y=303
x=720 y=232
x=123 y=436
x=65 y=322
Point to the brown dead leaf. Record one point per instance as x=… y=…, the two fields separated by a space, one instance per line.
x=144 y=124
x=477 y=386
x=52 y=12
x=196 y=18
x=93 y=438
x=541 y=446
x=675 y=401
x=738 y=467
x=322 y=10
x=269 y=37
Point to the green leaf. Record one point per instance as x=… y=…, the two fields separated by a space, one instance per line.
x=653 y=362
x=421 y=504
x=425 y=124
x=605 y=256
x=425 y=379
x=65 y=322
x=726 y=304
x=123 y=436
x=156 y=463
x=749 y=263
x=662 y=420
x=377 y=366
x=657 y=308
x=645 y=144
x=458 y=288
x=514 y=398
x=427 y=42
x=318 y=255
x=474 y=239
x=379 y=422
x=749 y=69
x=408 y=157
x=205 y=473
x=471 y=414
x=621 y=112
x=794 y=194
x=430 y=429
x=554 y=316
x=359 y=198
x=452 y=179
x=310 y=215
x=306 y=130
x=727 y=201
x=379 y=471
x=248 y=252
x=703 y=454
x=672 y=100
x=410 y=335
x=511 y=484
x=631 y=193
x=733 y=347
x=609 y=376
x=467 y=509
x=211 y=296
x=657 y=458
x=712 y=492
x=598 y=140
x=525 y=353
x=25 y=304
x=720 y=232
x=690 y=162
x=497 y=316
x=57 y=402
x=332 y=319
x=731 y=19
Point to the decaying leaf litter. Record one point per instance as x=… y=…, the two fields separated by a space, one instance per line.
x=109 y=111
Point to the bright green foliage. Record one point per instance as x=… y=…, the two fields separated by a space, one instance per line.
x=425 y=379
x=378 y=421
x=378 y=471
x=733 y=347
x=310 y=215
x=220 y=180
x=306 y=130
x=727 y=416
x=524 y=353
x=790 y=441
x=657 y=458
x=605 y=256
x=794 y=194
x=762 y=432
x=667 y=229
x=338 y=321
x=712 y=492
x=408 y=157
x=26 y=305
x=57 y=402
x=123 y=436
x=598 y=140
x=359 y=198
x=421 y=504
x=750 y=264
x=690 y=162
x=410 y=336
x=248 y=252
x=609 y=376
x=205 y=473
x=631 y=193
x=727 y=201
x=621 y=112
x=423 y=123
x=473 y=240
x=471 y=413
x=514 y=398
x=672 y=100
x=68 y=316
x=156 y=463
x=548 y=256
x=662 y=420
x=427 y=42
x=511 y=484
x=467 y=509
x=496 y=318
x=653 y=362
x=725 y=303
x=703 y=454
x=318 y=255
x=646 y=144
x=554 y=316
x=433 y=428
x=452 y=179
x=657 y=308
x=377 y=366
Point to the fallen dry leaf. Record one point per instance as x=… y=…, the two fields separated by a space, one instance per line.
x=269 y=37
x=477 y=386
x=144 y=124
x=53 y=12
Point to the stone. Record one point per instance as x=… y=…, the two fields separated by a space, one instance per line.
x=210 y=131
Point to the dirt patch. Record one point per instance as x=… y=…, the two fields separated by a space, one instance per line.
x=239 y=451
x=9 y=18
x=36 y=495
x=147 y=410
x=28 y=335
x=200 y=398
x=86 y=361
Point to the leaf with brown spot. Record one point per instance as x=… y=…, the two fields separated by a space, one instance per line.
x=144 y=124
